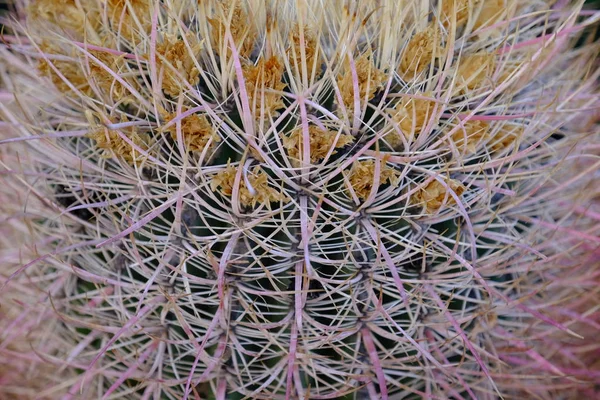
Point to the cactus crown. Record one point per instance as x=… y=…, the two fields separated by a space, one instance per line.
x=297 y=199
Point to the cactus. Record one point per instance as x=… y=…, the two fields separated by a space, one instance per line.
x=299 y=199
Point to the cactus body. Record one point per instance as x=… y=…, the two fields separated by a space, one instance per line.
x=304 y=199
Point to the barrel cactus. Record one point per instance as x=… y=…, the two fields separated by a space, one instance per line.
x=299 y=199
